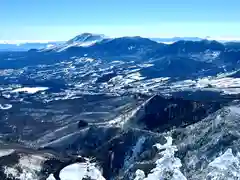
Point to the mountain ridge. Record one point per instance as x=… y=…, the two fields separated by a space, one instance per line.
x=27 y=45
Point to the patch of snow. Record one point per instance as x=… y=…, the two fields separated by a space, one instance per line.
x=50 y=46
x=225 y=160
x=167 y=42
x=226 y=74
x=87 y=59
x=183 y=84
x=145 y=65
x=222 y=84
x=33 y=162
x=231 y=91
x=226 y=166
x=87 y=44
x=5 y=106
x=78 y=171
x=81 y=43
x=116 y=62
x=126 y=116
x=129 y=70
x=7 y=96
x=226 y=82
x=161 y=79
x=30 y=90
x=135 y=76
x=207 y=55
x=116 y=79
x=6 y=152
x=11 y=172
x=140 y=175
x=234 y=110
x=27 y=168
x=51 y=177
x=131 y=47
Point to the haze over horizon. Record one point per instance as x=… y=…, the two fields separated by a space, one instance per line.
x=38 y=21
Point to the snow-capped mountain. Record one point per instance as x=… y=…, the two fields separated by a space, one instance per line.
x=82 y=40
x=120 y=108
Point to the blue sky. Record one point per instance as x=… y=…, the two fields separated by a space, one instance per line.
x=63 y=19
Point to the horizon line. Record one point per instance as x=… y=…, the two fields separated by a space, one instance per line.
x=18 y=42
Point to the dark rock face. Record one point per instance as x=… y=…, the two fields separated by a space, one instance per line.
x=195 y=46
x=82 y=124
x=124 y=152
x=177 y=67
x=124 y=46
x=84 y=141
x=106 y=77
x=164 y=113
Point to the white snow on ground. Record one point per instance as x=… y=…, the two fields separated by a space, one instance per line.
x=7 y=96
x=145 y=65
x=78 y=171
x=30 y=90
x=135 y=76
x=206 y=56
x=226 y=166
x=140 y=175
x=51 y=177
x=161 y=79
x=231 y=91
x=83 y=59
x=5 y=106
x=183 y=84
x=226 y=82
x=131 y=47
x=6 y=152
x=167 y=167
x=76 y=44
x=120 y=81
x=123 y=119
x=225 y=160
x=27 y=168
x=227 y=85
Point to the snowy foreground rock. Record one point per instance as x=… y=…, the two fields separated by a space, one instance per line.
x=22 y=166
x=79 y=171
x=27 y=167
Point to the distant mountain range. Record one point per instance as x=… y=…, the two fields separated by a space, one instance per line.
x=26 y=46
x=85 y=40
x=175 y=39
x=183 y=58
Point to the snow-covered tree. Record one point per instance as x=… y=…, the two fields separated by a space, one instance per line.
x=167 y=167
x=226 y=166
